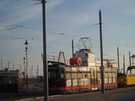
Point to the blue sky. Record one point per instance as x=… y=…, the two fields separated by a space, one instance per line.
x=21 y=20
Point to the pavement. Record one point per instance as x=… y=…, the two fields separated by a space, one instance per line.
x=121 y=94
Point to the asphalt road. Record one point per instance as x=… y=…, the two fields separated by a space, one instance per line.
x=126 y=94
x=122 y=94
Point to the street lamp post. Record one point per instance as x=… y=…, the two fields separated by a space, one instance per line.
x=24 y=64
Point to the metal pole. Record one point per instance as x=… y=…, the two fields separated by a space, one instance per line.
x=26 y=60
x=101 y=52
x=26 y=65
x=72 y=48
x=123 y=64
x=129 y=58
x=118 y=59
x=45 y=65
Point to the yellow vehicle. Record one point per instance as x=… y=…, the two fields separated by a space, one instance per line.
x=128 y=79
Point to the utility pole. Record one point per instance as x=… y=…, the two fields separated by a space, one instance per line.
x=101 y=52
x=124 y=64
x=129 y=58
x=45 y=62
x=118 y=59
x=72 y=48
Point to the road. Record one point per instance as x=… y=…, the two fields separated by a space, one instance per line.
x=122 y=94
x=113 y=95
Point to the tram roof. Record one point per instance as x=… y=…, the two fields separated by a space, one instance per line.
x=55 y=65
x=55 y=62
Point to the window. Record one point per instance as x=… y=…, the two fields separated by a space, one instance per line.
x=74 y=75
x=68 y=75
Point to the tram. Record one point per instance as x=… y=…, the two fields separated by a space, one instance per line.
x=68 y=79
x=128 y=79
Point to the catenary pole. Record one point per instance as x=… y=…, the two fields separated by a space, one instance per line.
x=118 y=59
x=129 y=58
x=72 y=48
x=45 y=65
x=101 y=52
x=124 y=65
